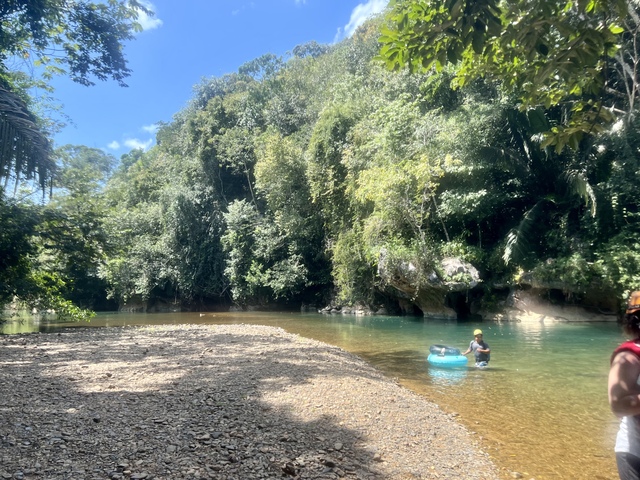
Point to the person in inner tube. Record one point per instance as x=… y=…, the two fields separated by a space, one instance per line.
x=480 y=349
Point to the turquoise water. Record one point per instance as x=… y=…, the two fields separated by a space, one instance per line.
x=539 y=409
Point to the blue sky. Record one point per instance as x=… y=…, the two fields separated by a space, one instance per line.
x=185 y=42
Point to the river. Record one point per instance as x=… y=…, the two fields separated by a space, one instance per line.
x=539 y=409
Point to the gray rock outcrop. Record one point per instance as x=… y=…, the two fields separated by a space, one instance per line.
x=428 y=291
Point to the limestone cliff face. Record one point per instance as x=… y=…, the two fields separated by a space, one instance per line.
x=550 y=304
x=429 y=294
x=528 y=301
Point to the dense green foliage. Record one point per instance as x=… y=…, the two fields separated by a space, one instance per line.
x=51 y=252
x=81 y=39
x=547 y=52
x=293 y=180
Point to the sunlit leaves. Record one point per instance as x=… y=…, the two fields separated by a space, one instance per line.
x=397 y=189
x=81 y=39
x=84 y=38
x=546 y=51
x=326 y=172
x=280 y=175
x=256 y=266
x=82 y=170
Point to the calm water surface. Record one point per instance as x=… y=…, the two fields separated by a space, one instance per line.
x=540 y=409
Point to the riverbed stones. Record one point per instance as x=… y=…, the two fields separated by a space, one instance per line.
x=215 y=402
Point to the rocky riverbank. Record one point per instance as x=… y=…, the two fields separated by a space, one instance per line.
x=215 y=402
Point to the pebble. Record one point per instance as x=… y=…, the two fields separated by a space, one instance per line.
x=197 y=405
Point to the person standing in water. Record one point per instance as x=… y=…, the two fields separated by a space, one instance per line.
x=624 y=392
x=480 y=349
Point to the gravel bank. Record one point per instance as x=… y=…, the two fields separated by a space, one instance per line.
x=215 y=402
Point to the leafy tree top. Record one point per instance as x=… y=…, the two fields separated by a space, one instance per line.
x=548 y=52
x=80 y=38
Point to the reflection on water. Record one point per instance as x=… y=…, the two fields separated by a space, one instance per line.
x=447 y=376
x=540 y=409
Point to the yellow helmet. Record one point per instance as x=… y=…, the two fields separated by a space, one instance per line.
x=477 y=332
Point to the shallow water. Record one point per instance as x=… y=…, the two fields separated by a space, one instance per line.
x=539 y=409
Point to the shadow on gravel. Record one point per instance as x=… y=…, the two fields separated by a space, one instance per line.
x=169 y=404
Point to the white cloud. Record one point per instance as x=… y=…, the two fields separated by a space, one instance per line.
x=249 y=5
x=359 y=15
x=150 y=128
x=135 y=143
x=148 y=22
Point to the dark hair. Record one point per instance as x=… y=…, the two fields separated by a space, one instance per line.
x=631 y=324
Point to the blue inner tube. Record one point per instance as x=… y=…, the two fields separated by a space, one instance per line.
x=438 y=350
x=447 y=360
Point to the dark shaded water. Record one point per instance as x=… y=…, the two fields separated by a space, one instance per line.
x=540 y=409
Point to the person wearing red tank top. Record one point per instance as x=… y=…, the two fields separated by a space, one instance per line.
x=624 y=393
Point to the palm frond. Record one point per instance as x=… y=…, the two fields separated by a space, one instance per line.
x=517 y=244
x=579 y=185
x=24 y=149
x=510 y=159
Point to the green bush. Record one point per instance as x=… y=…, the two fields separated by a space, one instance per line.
x=618 y=264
